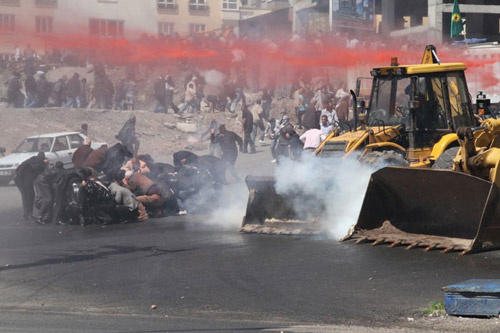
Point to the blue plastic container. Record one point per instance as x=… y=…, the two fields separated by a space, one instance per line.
x=473 y=298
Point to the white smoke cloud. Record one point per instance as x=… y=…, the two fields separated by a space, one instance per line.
x=231 y=209
x=226 y=207
x=213 y=77
x=335 y=185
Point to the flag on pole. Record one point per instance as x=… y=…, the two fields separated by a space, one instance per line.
x=457 y=26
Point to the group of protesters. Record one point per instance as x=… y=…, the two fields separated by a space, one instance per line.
x=115 y=184
x=73 y=92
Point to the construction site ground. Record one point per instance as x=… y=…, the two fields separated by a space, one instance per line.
x=158 y=133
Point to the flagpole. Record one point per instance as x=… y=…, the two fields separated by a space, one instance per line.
x=465 y=34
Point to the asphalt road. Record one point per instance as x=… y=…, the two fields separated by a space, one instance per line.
x=205 y=276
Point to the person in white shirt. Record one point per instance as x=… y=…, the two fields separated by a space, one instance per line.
x=330 y=114
x=326 y=127
x=311 y=138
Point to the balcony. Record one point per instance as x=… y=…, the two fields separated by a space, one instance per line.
x=16 y=3
x=168 y=8
x=46 y=3
x=202 y=10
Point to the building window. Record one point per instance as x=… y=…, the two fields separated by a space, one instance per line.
x=7 y=23
x=198 y=6
x=230 y=4
x=44 y=24
x=10 y=2
x=46 y=3
x=194 y=27
x=165 y=29
x=167 y=4
x=106 y=28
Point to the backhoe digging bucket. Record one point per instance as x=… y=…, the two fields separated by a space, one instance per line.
x=435 y=209
x=271 y=213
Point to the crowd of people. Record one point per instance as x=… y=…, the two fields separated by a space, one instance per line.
x=73 y=92
x=112 y=185
x=117 y=184
x=272 y=68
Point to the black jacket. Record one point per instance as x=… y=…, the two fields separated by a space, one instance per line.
x=127 y=132
x=184 y=154
x=247 y=117
x=30 y=169
x=160 y=90
x=114 y=158
x=74 y=87
x=30 y=84
x=227 y=141
x=50 y=177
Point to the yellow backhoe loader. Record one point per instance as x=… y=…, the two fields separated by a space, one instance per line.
x=411 y=119
x=454 y=210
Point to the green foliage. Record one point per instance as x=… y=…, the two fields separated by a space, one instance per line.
x=434 y=309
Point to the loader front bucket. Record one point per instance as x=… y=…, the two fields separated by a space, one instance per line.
x=272 y=213
x=429 y=208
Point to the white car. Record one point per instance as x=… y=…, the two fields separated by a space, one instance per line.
x=57 y=147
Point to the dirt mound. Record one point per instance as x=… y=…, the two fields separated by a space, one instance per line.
x=158 y=133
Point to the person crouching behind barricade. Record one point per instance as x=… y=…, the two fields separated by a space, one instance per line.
x=148 y=193
x=136 y=164
x=127 y=205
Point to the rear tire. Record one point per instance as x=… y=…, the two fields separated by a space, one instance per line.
x=445 y=160
x=380 y=159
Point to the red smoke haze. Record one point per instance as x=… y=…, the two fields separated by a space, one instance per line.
x=286 y=56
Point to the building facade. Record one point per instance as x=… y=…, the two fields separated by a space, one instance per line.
x=127 y=18
x=107 y=18
x=356 y=17
x=182 y=17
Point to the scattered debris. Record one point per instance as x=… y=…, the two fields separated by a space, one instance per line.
x=169 y=125
x=186 y=127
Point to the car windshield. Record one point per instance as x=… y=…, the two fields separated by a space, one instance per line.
x=34 y=145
